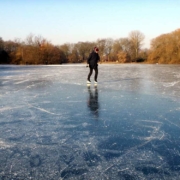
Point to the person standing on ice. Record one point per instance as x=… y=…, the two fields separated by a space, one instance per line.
x=92 y=61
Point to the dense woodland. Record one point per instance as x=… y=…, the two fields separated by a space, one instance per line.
x=38 y=50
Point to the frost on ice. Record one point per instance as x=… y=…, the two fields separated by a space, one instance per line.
x=54 y=126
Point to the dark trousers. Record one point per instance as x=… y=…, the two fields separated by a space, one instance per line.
x=91 y=71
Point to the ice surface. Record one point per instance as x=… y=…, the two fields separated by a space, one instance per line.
x=54 y=126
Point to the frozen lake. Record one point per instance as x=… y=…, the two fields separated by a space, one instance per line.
x=53 y=126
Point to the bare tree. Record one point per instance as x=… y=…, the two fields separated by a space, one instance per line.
x=122 y=46
x=123 y=57
x=108 y=47
x=83 y=49
x=1 y=43
x=136 y=38
x=101 y=43
x=66 y=50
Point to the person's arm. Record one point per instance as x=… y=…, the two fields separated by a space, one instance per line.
x=89 y=58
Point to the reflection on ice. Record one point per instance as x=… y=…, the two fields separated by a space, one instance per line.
x=54 y=126
x=93 y=103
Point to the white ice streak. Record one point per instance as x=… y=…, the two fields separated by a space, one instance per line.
x=44 y=110
x=177 y=75
x=155 y=132
x=151 y=121
x=172 y=123
x=170 y=84
x=123 y=170
x=4 y=82
x=20 y=82
x=64 y=65
x=9 y=108
x=85 y=124
x=3 y=145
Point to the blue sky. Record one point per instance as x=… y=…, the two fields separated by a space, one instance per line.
x=71 y=21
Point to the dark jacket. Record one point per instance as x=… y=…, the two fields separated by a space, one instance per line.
x=93 y=59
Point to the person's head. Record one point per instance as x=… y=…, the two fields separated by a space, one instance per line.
x=96 y=49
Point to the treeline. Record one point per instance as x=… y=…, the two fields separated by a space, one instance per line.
x=34 y=50
x=165 y=48
x=37 y=50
